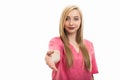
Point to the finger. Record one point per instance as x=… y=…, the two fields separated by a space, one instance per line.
x=48 y=59
x=51 y=64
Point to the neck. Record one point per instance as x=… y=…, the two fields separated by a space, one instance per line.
x=72 y=38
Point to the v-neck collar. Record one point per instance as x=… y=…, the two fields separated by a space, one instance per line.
x=74 y=49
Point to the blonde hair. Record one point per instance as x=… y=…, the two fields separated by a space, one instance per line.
x=79 y=39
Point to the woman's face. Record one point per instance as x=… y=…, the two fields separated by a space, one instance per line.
x=72 y=22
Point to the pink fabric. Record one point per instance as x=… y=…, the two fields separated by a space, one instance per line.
x=77 y=71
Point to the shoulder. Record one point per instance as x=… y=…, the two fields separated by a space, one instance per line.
x=56 y=39
x=89 y=46
x=87 y=42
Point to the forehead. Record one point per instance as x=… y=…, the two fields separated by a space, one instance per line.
x=74 y=13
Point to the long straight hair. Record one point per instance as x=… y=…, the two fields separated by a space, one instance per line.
x=79 y=39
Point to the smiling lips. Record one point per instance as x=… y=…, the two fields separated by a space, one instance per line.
x=71 y=28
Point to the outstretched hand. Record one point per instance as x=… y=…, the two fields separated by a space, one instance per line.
x=49 y=62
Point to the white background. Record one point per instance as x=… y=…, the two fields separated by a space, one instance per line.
x=26 y=26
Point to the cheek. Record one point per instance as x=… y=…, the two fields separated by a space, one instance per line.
x=65 y=24
x=78 y=25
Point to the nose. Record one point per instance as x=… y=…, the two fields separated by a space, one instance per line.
x=71 y=22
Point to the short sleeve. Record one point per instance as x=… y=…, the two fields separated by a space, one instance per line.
x=55 y=44
x=93 y=60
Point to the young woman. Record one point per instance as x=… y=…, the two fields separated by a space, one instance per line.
x=70 y=55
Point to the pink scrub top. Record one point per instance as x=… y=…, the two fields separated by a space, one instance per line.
x=77 y=71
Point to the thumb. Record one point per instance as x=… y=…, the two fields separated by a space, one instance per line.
x=54 y=67
x=50 y=52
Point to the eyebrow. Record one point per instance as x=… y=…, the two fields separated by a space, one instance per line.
x=76 y=16
x=73 y=16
